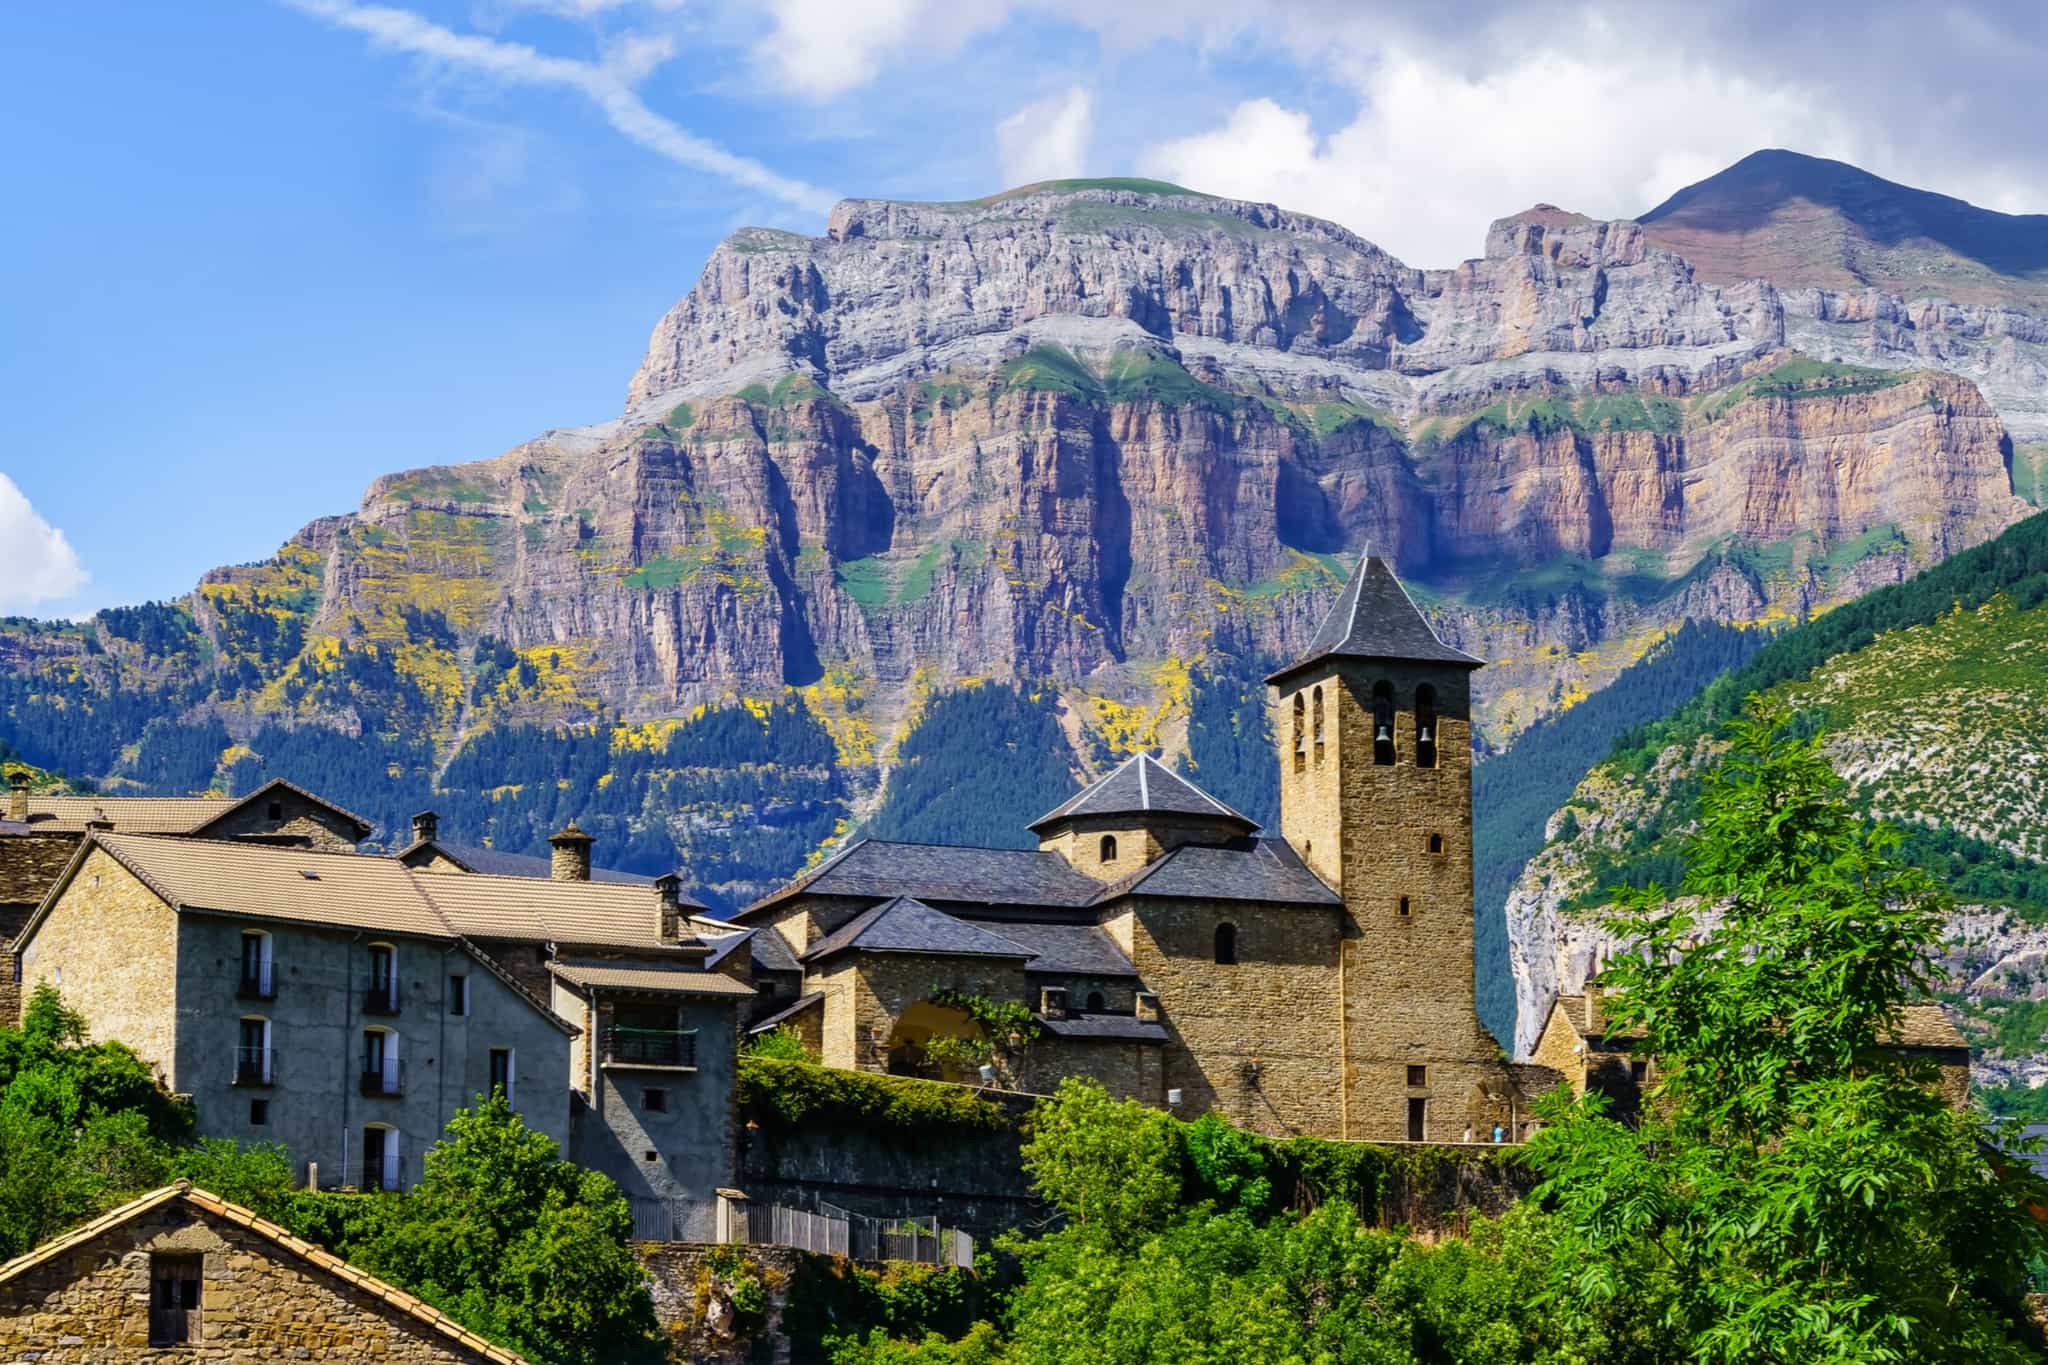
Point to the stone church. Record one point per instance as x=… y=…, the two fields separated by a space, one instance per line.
x=1318 y=982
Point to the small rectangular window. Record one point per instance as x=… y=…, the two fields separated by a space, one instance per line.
x=1418 y=1075
x=1436 y=843
x=175 y=1283
x=1638 y=1071
x=259 y=1113
x=1417 y=1111
x=1402 y=908
x=458 y=994
x=654 y=1100
x=501 y=1073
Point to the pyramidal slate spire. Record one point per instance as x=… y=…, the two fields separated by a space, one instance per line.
x=1141 y=786
x=1375 y=618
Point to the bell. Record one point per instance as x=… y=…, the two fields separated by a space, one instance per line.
x=1385 y=735
x=1428 y=735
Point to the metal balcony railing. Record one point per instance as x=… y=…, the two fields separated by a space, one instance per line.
x=649 y=1047
x=380 y=997
x=387 y=1078
x=259 y=985
x=255 y=1066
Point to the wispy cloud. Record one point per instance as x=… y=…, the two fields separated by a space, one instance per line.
x=609 y=84
x=1047 y=139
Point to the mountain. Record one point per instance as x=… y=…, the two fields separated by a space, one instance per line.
x=1805 y=222
x=1111 y=441
x=1931 y=694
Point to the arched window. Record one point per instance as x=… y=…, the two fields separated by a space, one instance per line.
x=1300 y=733
x=1109 y=848
x=256 y=983
x=1425 y=726
x=252 y=1051
x=1383 y=723
x=1226 y=944
x=1318 y=715
x=1095 y=1005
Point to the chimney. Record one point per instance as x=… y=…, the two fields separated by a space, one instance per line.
x=17 y=797
x=668 y=888
x=572 y=854
x=1052 y=1002
x=425 y=826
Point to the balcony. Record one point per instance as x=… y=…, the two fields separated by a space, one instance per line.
x=380 y=997
x=387 y=1078
x=255 y=1066
x=257 y=986
x=660 y=1049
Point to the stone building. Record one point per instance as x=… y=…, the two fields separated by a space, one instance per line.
x=39 y=834
x=1315 y=982
x=1581 y=1042
x=571 y=860
x=347 y=1005
x=183 y=1275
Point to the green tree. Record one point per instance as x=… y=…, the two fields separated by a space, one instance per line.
x=1796 y=1192
x=505 y=1236
x=1113 y=1167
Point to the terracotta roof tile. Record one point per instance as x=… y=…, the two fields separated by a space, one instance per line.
x=680 y=981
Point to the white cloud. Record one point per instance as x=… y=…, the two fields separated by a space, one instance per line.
x=1047 y=139
x=1435 y=151
x=822 y=48
x=37 y=564
x=609 y=85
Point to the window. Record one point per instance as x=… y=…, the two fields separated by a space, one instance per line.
x=381 y=1073
x=259 y=1113
x=654 y=1100
x=252 y=1053
x=1436 y=843
x=1383 y=724
x=381 y=993
x=1401 y=908
x=650 y=1156
x=1226 y=944
x=501 y=1072
x=1317 y=712
x=174 y=1295
x=380 y=1158
x=458 y=994
x=1639 y=1071
x=1417 y=1118
x=277 y=810
x=256 y=980
x=1418 y=1075
x=1425 y=726
x=1300 y=732
x=1095 y=1005
x=1109 y=848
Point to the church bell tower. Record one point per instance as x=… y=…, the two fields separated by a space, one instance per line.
x=1373 y=724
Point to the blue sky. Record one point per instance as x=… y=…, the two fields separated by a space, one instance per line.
x=257 y=253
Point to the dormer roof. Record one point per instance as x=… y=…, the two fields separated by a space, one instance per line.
x=1375 y=618
x=1142 y=786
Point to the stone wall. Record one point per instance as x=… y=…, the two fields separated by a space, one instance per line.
x=297 y=821
x=110 y=946
x=259 y=1303
x=694 y=1300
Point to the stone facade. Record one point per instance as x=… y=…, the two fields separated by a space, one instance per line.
x=284 y=816
x=111 y=948
x=29 y=866
x=260 y=1300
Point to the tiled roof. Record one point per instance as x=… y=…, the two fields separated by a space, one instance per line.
x=677 y=982
x=498 y=863
x=1142 y=785
x=876 y=870
x=905 y=925
x=596 y=914
x=1067 y=949
x=1374 y=618
x=721 y=938
x=159 y=814
x=1926 y=1025
x=1250 y=870
x=787 y=1012
x=772 y=952
x=1120 y=1027
x=214 y=1206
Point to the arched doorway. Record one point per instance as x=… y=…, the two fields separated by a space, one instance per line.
x=909 y=1054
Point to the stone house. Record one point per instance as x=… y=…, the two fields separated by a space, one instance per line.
x=347 y=1005
x=184 y=1275
x=1315 y=982
x=1580 y=1042
x=39 y=834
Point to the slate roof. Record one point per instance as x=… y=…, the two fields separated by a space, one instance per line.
x=1142 y=785
x=674 y=982
x=498 y=863
x=1066 y=949
x=906 y=925
x=772 y=953
x=1120 y=1027
x=786 y=1013
x=432 y=1319
x=159 y=814
x=1252 y=870
x=873 y=869
x=1375 y=618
